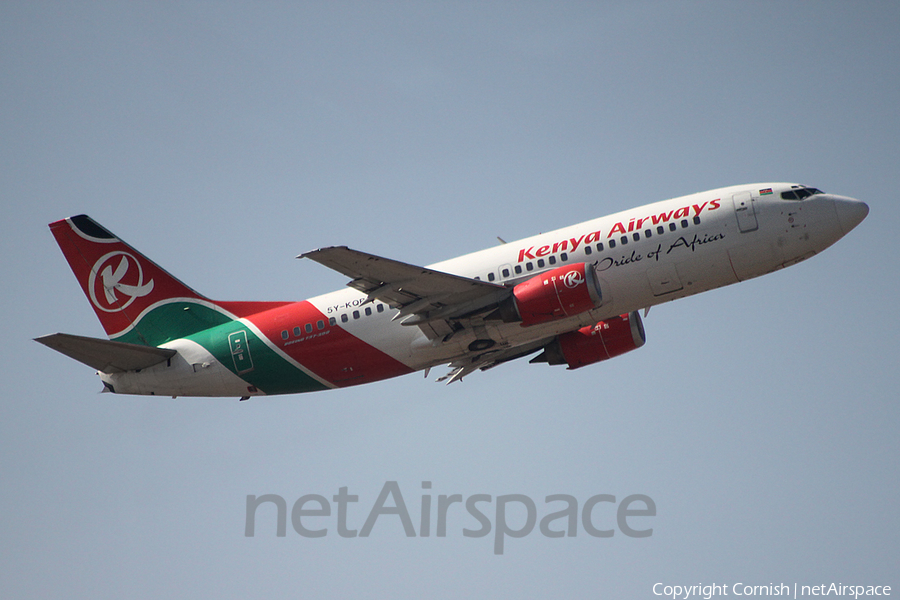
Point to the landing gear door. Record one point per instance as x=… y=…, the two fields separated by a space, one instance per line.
x=745 y=212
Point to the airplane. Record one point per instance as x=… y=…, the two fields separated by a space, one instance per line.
x=571 y=297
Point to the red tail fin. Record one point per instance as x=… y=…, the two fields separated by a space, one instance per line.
x=120 y=282
x=136 y=300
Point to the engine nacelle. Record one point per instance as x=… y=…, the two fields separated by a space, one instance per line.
x=555 y=294
x=595 y=343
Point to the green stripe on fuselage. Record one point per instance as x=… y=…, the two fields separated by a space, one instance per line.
x=268 y=371
x=172 y=321
x=260 y=366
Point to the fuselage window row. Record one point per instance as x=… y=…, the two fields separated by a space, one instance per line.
x=588 y=250
x=332 y=321
x=506 y=273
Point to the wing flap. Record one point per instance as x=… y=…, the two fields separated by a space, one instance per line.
x=463 y=366
x=106 y=355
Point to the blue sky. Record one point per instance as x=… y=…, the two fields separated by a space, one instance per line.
x=224 y=139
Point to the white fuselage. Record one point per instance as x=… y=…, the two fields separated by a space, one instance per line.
x=640 y=257
x=647 y=255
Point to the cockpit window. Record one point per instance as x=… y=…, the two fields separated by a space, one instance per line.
x=799 y=192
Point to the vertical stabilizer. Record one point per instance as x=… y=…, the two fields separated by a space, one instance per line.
x=124 y=287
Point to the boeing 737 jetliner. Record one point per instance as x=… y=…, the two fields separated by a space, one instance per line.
x=570 y=296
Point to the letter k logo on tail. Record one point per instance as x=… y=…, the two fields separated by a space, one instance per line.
x=112 y=284
x=112 y=281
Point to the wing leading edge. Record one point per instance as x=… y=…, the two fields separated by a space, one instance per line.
x=423 y=296
x=106 y=355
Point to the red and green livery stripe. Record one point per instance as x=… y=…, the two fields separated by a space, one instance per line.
x=140 y=303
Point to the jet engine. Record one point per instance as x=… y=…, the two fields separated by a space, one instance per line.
x=595 y=343
x=555 y=294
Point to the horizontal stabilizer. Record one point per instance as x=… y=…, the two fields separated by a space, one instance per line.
x=106 y=355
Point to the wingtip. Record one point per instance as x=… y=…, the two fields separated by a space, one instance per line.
x=310 y=253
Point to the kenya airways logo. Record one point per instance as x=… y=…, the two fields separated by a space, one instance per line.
x=120 y=274
x=573 y=279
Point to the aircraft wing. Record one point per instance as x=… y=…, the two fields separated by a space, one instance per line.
x=422 y=295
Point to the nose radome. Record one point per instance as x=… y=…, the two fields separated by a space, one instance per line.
x=850 y=212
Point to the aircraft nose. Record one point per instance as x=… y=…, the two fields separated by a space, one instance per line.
x=850 y=212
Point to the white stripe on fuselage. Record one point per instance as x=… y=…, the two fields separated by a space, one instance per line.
x=638 y=274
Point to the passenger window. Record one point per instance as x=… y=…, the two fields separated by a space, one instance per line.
x=368 y=311
x=624 y=239
x=380 y=308
x=660 y=230
x=296 y=332
x=636 y=237
x=518 y=269
x=684 y=223
x=648 y=233
x=505 y=272
x=284 y=334
x=599 y=247
x=309 y=328
x=529 y=267
x=344 y=318
x=332 y=321
x=355 y=314
x=696 y=220
x=673 y=227
x=540 y=263
x=491 y=277
x=588 y=250
x=564 y=257
x=612 y=244
x=552 y=260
